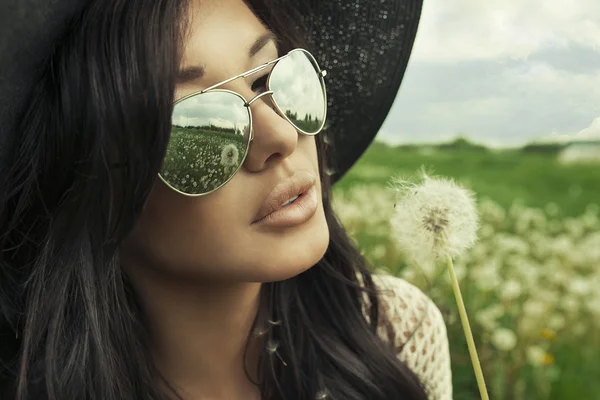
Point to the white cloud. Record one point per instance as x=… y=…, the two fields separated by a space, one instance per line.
x=501 y=72
x=591 y=132
x=461 y=30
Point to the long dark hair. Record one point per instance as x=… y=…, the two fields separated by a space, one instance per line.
x=70 y=326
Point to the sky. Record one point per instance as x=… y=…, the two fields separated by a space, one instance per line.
x=502 y=73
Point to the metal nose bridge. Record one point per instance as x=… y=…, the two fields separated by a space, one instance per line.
x=252 y=100
x=258 y=96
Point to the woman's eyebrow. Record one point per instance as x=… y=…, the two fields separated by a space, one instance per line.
x=190 y=74
x=261 y=42
x=195 y=72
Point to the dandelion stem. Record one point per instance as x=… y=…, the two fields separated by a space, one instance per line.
x=467 y=329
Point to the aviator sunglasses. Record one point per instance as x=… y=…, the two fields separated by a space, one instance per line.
x=212 y=129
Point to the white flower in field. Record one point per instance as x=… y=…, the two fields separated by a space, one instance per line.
x=492 y=211
x=534 y=308
x=487 y=231
x=548 y=296
x=488 y=317
x=559 y=277
x=574 y=227
x=379 y=251
x=579 y=286
x=229 y=156
x=535 y=355
x=594 y=306
x=409 y=274
x=570 y=303
x=562 y=245
x=434 y=219
x=590 y=221
x=480 y=252
x=504 y=339
x=556 y=322
x=511 y=290
x=511 y=244
x=487 y=276
x=555 y=227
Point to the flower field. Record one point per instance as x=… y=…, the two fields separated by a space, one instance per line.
x=199 y=160
x=531 y=284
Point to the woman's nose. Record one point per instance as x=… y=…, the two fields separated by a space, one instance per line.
x=274 y=137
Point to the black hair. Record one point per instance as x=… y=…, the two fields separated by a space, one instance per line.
x=70 y=325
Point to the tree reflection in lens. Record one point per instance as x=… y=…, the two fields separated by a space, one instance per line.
x=298 y=92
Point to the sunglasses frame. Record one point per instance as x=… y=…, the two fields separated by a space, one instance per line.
x=321 y=73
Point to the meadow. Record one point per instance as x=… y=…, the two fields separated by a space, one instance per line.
x=530 y=285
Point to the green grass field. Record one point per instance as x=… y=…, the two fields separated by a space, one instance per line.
x=535 y=178
x=533 y=277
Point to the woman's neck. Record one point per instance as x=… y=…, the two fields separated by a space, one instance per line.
x=199 y=332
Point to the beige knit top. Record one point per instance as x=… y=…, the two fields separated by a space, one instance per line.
x=418 y=332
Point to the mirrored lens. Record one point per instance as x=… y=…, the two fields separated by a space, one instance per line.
x=298 y=92
x=209 y=140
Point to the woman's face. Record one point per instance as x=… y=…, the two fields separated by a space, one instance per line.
x=213 y=236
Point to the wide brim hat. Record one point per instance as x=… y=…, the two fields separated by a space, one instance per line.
x=364 y=45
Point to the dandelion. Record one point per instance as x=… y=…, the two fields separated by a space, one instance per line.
x=570 y=304
x=489 y=316
x=535 y=355
x=534 y=308
x=504 y=339
x=229 y=156
x=272 y=347
x=580 y=287
x=437 y=220
x=379 y=251
x=511 y=290
x=556 y=322
x=594 y=306
x=260 y=331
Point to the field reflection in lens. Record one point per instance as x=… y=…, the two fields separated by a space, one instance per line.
x=209 y=139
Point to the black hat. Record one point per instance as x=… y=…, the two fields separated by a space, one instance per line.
x=363 y=44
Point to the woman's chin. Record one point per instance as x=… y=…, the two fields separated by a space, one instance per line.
x=285 y=256
x=288 y=261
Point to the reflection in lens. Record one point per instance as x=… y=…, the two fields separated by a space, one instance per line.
x=298 y=91
x=209 y=138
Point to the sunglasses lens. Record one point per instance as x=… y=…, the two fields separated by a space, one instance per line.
x=209 y=141
x=299 y=91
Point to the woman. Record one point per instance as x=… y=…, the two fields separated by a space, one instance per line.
x=167 y=230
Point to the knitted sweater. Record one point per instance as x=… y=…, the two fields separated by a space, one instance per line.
x=416 y=328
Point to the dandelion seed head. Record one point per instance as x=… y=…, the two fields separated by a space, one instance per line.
x=229 y=155
x=260 y=332
x=272 y=346
x=504 y=339
x=535 y=355
x=433 y=219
